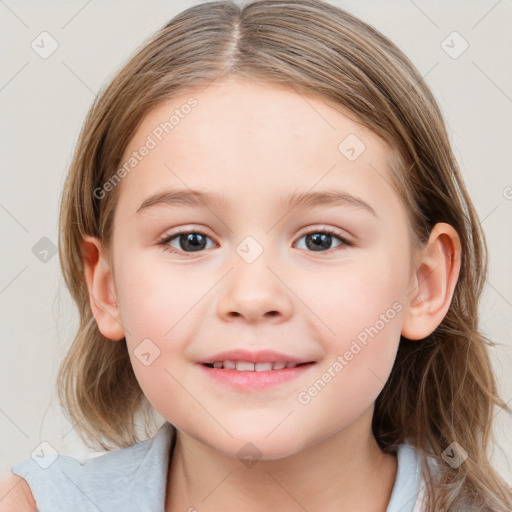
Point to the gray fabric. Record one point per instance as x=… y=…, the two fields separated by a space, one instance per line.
x=134 y=479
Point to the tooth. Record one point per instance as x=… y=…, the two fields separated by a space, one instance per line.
x=263 y=367
x=243 y=366
x=247 y=366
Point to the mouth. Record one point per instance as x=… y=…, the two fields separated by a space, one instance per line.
x=247 y=366
x=249 y=377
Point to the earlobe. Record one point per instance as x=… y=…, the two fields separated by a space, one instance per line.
x=433 y=284
x=100 y=285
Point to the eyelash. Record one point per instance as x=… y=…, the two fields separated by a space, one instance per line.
x=166 y=239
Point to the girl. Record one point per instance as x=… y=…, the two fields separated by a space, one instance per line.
x=271 y=245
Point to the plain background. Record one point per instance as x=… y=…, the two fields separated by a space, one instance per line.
x=43 y=103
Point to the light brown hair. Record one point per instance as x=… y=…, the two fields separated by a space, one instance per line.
x=441 y=389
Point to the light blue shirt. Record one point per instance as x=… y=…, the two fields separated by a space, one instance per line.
x=134 y=479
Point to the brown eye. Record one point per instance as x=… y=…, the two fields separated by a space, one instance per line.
x=185 y=242
x=322 y=240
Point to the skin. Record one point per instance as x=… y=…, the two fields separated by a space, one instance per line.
x=253 y=144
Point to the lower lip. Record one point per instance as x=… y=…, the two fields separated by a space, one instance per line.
x=251 y=380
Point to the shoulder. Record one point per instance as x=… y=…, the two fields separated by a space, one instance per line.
x=128 y=478
x=15 y=495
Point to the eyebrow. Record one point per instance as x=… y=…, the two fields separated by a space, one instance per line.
x=198 y=198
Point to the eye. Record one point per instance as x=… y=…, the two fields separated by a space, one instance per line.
x=187 y=241
x=322 y=239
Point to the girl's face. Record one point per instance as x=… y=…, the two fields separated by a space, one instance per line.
x=263 y=274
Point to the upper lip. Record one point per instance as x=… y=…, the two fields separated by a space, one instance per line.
x=261 y=356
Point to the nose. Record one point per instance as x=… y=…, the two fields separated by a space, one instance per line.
x=255 y=292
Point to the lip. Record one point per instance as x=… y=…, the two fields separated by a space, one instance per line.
x=253 y=380
x=261 y=356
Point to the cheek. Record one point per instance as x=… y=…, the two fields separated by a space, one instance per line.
x=356 y=295
x=363 y=308
x=156 y=310
x=154 y=298
x=358 y=361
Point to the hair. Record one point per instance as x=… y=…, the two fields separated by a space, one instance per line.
x=441 y=389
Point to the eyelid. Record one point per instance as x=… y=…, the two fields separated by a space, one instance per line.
x=305 y=231
x=180 y=231
x=164 y=240
x=340 y=233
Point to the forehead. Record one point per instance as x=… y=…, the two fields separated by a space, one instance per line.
x=248 y=138
x=237 y=109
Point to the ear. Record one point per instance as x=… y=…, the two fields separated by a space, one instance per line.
x=100 y=284
x=433 y=283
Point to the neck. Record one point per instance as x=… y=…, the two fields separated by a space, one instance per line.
x=344 y=472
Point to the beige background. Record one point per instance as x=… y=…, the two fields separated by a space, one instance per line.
x=43 y=103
